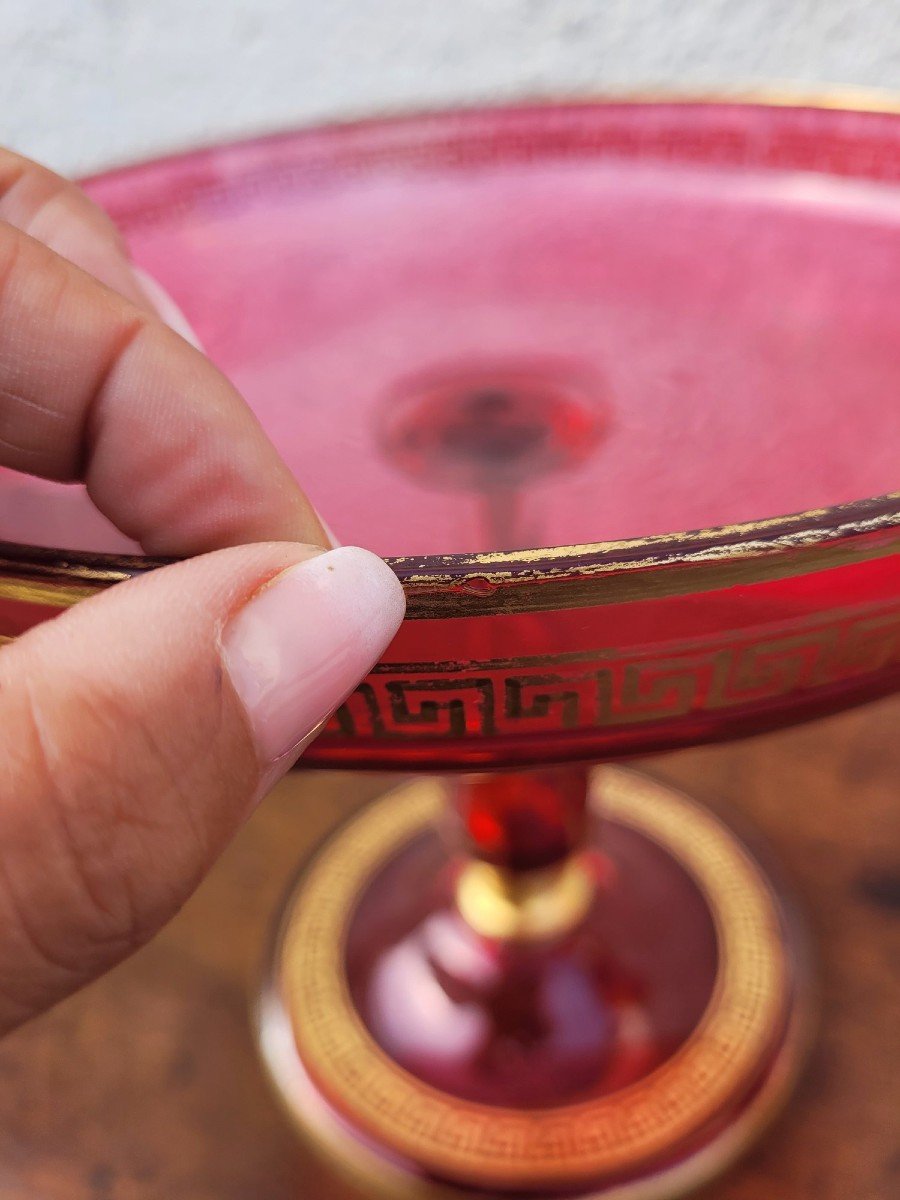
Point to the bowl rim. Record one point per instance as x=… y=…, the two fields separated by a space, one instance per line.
x=731 y=553
x=813 y=530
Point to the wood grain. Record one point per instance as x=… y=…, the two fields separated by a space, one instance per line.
x=148 y=1085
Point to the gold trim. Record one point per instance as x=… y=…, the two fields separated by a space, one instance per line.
x=524 y=905
x=568 y=583
x=597 y=584
x=627 y=686
x=376 y=1175
x=794 y=532
x=53 y=595
x=504 y=1147
x=775 y=632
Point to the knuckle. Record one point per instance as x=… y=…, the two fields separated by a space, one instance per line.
x=36 y=200
x=25 y=189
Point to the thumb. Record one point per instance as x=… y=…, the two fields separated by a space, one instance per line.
x=138 y=729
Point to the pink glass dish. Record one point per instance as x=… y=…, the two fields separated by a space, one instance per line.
x=706 y=293
x=614 y=388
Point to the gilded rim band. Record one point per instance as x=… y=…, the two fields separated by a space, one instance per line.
x=542 y=580
x=572 y=1143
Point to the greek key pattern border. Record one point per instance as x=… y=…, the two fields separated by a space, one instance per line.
x=571 y=1142
x=497 y=697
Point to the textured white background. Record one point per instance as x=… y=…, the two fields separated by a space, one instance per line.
x=88 y=83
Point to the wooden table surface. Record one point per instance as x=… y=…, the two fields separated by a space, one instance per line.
x=148 y=1085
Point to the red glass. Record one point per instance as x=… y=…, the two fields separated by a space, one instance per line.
x=700 y=300
x=614 y=389
x=523 y=820
x=537 y=1024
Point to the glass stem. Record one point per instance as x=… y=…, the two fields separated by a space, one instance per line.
x=523 y=820
x=500 y=523
x=522 y=832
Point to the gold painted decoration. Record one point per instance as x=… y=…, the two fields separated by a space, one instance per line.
x=621 y=687
x=578 y=576
x=570 y=1144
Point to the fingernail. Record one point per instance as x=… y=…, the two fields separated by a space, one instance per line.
x=298 y=648
x=165 y=307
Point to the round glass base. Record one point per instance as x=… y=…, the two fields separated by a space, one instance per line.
x=633 y=1054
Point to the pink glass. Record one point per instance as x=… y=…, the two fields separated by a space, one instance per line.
x=703 y=299
x=614 y=389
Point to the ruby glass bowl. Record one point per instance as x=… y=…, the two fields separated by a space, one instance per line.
x=694 y=309
x=614 y=389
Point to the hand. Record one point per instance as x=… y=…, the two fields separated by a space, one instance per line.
x=138 y=729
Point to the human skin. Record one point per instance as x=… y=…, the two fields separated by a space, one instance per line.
x=139 y=729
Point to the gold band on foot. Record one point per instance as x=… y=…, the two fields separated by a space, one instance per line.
x=524 y=905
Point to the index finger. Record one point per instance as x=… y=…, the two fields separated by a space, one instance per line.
x=93 y=388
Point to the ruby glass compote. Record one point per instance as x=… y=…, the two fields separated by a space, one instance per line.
x=520 y=352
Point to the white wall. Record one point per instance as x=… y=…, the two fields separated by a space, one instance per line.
x=86 y=83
